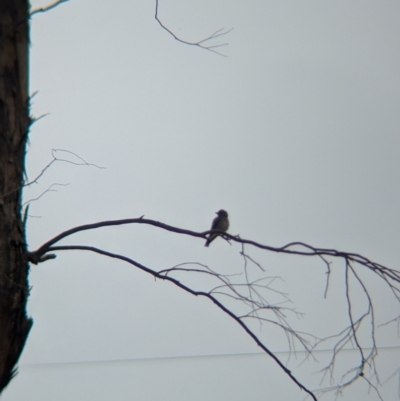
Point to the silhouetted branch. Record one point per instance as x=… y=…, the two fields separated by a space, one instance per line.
x=48 y=7
x=215 y=35
x=49 y=189
x=163 y=275
x=254 y=294
x=82 y=162
x=390 y=276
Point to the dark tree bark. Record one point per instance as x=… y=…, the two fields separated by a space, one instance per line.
x=14 y=126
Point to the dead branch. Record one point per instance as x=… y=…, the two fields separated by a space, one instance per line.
x=164 y=276
x=390 y=276
x=82 y=162
x=49 y=189
x=201 y=43
x=253 y=294
x=48 y=7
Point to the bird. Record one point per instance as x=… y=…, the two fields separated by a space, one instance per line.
x=221 y=222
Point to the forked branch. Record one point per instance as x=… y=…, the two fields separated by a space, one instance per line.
x=204 y=43
x=254 y=294
x=164 y=275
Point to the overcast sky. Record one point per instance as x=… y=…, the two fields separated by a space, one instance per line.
x=296 y=133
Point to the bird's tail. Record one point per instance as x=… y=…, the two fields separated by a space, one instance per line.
x=210 y=238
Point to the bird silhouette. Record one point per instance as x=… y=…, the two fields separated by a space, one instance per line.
x=221 y=223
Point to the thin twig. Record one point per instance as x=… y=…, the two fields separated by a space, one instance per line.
x=252 y=293
x=47 y=8
x=195 y=293
x=216 y=34
x=49 y=189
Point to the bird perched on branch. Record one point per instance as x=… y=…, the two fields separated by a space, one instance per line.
x=221 y=223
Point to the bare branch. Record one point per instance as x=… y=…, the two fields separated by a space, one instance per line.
x=49 y=189
x=255 y=296
x=82 y=162
x=215 y=35
x=195 y=293
x=390 y=276
x=47 y=8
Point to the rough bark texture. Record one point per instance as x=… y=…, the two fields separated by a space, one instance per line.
x=14 y=126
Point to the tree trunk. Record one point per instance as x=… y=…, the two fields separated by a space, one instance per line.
x=14 y=126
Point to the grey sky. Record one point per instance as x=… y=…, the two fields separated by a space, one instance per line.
x=295 y=134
